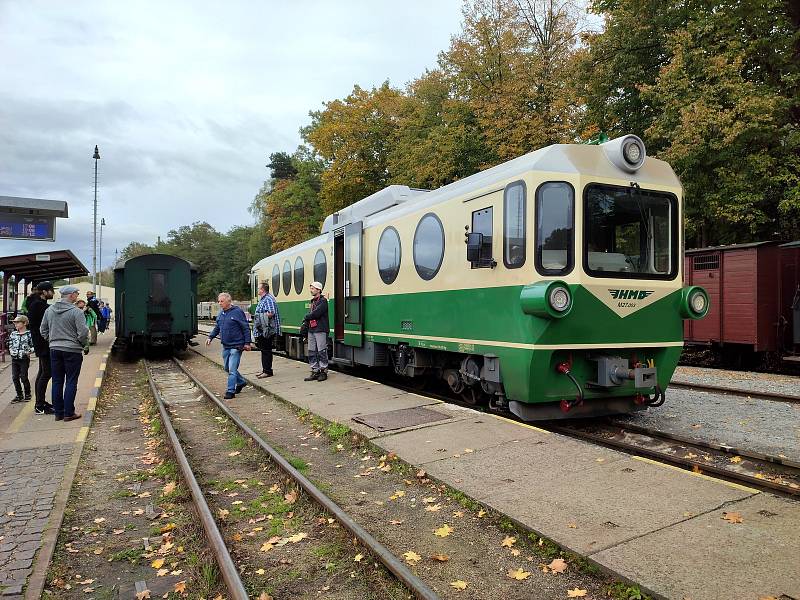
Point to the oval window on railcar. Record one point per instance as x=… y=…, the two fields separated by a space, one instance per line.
x=299 y=275
x=287 y=278
x=428 y=246
x=276 y=280
x=389 y=254
x=320 y=267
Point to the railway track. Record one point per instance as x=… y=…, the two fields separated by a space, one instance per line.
x=174 y=377
x=764 y=472
x=733 y=391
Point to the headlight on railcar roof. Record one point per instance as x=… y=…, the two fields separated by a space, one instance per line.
x=546 y=299
x=694 y=302
x=626 y=152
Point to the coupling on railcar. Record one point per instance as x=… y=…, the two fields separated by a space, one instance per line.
x=549 y=286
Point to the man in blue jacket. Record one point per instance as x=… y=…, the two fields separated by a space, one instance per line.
x=234 y=333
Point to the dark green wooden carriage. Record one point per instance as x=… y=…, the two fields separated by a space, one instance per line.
x=156 y=299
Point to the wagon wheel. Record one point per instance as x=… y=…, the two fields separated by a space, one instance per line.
x=470 y=396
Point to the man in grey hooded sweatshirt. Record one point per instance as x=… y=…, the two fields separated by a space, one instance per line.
x=64 y=327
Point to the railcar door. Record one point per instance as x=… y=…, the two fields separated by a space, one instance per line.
x=348 y=289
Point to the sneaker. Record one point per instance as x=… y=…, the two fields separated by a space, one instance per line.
x=240 y=387
x=229 y=395
x=47 y=409
x=323 y=375
x=313 y=377
x=28 y=396
x=17 y=399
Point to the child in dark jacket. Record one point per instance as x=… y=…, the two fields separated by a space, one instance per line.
x=20 y=347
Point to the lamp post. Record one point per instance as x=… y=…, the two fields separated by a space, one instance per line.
x=96 y=157
x=100 y=276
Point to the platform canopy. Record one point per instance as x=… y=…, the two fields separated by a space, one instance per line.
x=43 y=266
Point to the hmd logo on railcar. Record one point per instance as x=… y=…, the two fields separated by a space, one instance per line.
x=628 y=296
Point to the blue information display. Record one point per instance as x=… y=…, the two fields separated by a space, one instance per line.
x=23 y=227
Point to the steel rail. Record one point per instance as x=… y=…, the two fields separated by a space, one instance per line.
x=419 y=588
x=733 y=391
x=226 y=565
x=676 y=460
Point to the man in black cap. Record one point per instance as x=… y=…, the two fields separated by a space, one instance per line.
x=37 y=304
x=93 y=304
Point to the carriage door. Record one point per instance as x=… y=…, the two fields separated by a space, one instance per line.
x=159 y=318
x=348 y=274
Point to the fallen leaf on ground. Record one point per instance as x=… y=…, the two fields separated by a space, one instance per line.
x=297 y=537
x=518 y=574
x=393 y=522
x=358 y=557
x=508 y=542
x=559 y=565
x=100 y=520
x=236 y=453
x=514 y=552
x=223 y=513
x=440 y=557
x=732 y=517
x=162 y=572
x=118 y=531
x=170 y=487
x=736 y=459
x=180 y=587
x=411 y=557
x=576 y=593
x=443 y=531
x=157 y=563
x=459 y=585
x=264 y=596
x=266 y=547
x=143 y=595
x=481 y=514
x=291 y=497
x=433 y=507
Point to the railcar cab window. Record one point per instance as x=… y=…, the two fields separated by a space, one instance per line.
x=299 y=275
x=276 y=280
x=514 y=225
x=630 y=232
x=320 y=267
x=287 y=278
x=389 y=254
x=428 y=246
x=482 y=224
x=555 y=228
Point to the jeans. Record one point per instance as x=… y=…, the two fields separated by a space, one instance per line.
x=42 y=378
x=66 y=368
x=318 y=350
x=265 y=345
x=230 y=360
x=19 y=375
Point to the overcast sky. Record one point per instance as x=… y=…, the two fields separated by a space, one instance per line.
x=186 y=100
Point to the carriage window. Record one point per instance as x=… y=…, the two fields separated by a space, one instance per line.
x=158 y=288
x=428 y=246
x=287 y=278
x=555 y=228
x=389 y=255
x=320 y=267
x=299 y=275
x=514 y=225
x=630 y=232
x=482 y=223
x=276 y=280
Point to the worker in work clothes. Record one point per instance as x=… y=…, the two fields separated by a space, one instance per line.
x=317 y=321
x=234 y=333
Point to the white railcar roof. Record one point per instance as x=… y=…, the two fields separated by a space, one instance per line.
x=588 y=161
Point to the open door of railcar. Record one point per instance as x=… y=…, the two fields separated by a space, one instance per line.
x=348 y=317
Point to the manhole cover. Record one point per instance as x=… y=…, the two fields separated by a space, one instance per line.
x=399 y=419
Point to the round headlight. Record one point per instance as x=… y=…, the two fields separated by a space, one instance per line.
x=632 y=152
x=698 y=302
x=559 y=299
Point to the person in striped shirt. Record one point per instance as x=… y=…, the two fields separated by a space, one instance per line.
x=266 y=325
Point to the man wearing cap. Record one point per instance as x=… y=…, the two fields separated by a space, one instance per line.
x=64 y=327
x=36 y=304
x=317 y=320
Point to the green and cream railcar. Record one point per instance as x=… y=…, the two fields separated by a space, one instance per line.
x=550 y=285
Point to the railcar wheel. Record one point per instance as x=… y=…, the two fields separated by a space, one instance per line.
x=470 y=396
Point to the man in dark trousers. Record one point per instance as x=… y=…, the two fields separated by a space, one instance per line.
x=266 y=325
x=37 y=304
x=317 y=321
x=64 y=327
x=234 y=333
x=94 y=305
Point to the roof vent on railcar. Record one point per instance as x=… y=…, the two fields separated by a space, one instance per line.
x=375 y=203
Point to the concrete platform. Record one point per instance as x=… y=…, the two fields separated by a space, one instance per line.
x=38 y=458
x=657 y=526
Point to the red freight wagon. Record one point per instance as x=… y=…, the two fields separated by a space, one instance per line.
x=755 y=296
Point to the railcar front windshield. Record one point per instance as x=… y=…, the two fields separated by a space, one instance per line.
x=630 y=233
